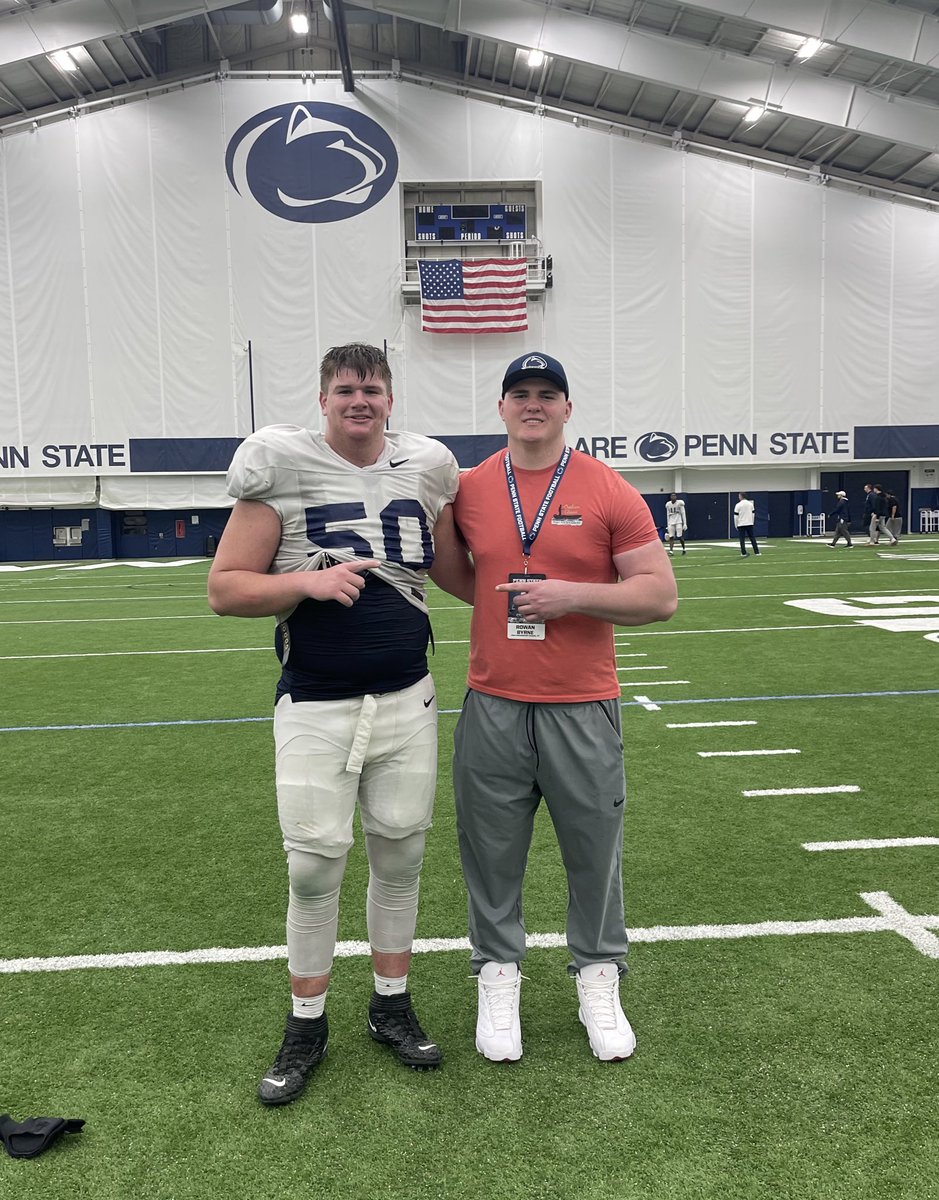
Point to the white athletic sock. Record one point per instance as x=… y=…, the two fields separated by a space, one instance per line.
x=390 y=987
x=309 y=1006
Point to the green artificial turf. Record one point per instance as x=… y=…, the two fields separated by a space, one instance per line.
x=138 y=816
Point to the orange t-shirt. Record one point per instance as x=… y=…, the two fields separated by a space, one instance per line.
x=594 y=514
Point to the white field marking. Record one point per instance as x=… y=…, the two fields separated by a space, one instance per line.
x=706 y=724
x=904 y=923
x=741 y=753
x=893 y=919
x=134 y=599
x=103 y=566
x=657 y=682
x=647 y=704
x=644 y=668
x=806 y=791
x=803 y=594
x=112 y=620
x=459 y=641
x=70 y=586
x=133 y=653
x=746 y=629
x=872 y=844
x=879 y=571
x=455 y=642
x=635 y=654
x=140 y=724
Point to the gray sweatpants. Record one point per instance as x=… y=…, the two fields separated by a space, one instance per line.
x=508 y=756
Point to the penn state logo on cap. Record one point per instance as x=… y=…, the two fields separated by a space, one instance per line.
x=312 y=162
x=535 y=366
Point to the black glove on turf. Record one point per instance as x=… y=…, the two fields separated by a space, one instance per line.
x=27 y=1139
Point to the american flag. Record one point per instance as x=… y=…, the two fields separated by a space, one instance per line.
x=478 y=295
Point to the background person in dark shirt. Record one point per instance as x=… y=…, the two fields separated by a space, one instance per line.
x=841 y=515
x=879 y=518
x=867 y=516
x=894 y=517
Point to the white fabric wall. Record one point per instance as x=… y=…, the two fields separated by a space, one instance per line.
x=692 y=296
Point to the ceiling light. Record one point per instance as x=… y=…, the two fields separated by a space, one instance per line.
x=809 y=47
x=753 y=113
x=299 y=22
x=535 y=58
x=63 y=60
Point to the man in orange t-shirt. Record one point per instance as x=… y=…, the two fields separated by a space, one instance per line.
x=564 y=549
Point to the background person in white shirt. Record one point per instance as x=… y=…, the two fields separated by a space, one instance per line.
x=676 y=522
x=743 y=519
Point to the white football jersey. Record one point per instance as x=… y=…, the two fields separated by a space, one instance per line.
x=675 y=512
x=329 y=506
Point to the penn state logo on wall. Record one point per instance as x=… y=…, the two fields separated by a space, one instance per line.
x=312 y=162
x=656 y=446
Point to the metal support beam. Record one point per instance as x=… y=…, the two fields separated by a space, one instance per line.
x=335 y=10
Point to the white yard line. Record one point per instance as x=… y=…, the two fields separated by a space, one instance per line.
x=135 y=599
x=658 y=682
x=110 y=564
x=705 y=724
x=873 y=843
x=209 y=616
x=647 y=704
x=741 y=753
x=893 y=918
x=904 y=923
x=804 y=791
x=135 y=653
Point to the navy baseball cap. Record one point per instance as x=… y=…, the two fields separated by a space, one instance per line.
x=535 y=366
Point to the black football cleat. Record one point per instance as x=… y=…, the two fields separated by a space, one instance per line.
x=302 y=1051
x=392 y=1021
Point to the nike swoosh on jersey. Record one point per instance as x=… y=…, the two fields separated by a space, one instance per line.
x=399 y=463
x=428 y=703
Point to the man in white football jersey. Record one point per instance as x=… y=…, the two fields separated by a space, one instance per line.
x=334 y=534
x=676 y=522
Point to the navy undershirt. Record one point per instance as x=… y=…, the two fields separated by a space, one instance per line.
x=378 y=645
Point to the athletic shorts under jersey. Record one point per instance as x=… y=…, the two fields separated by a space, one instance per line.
x=333 y=511
x=594 y=514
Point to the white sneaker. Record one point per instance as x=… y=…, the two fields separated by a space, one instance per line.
x=498 y=1028
x=611 y=1036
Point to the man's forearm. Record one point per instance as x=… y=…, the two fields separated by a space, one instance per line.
x=251 y=594
x=637 y=601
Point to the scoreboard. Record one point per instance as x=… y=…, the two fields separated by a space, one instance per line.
x=469 y=222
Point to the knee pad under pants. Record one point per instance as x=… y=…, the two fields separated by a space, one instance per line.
x=393 y=886
x=312 y=911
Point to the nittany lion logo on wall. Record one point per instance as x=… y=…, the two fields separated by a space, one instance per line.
x=312 y=162
x=656 y=447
